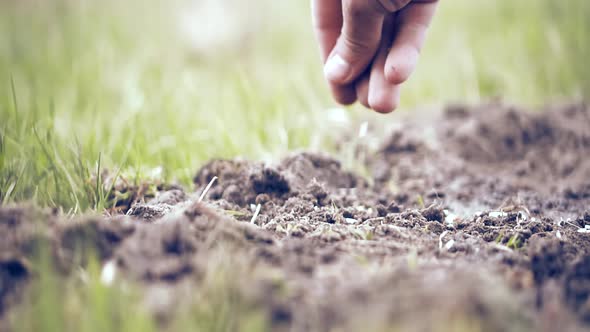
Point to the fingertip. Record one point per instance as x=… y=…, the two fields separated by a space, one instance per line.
x=384 y=102
x=396 y=74
x=346 y=101
x=400 y=64
x=383 y=106
x=362 y=91
x=343 y=95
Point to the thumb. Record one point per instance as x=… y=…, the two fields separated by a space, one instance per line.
x=360 y=38
x=358 y=41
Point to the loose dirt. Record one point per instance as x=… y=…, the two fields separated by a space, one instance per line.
x=474 y=219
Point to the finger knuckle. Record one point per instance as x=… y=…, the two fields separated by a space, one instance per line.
x=355 y=9
x=363 y=9
x=391 y=6
x=357 y=46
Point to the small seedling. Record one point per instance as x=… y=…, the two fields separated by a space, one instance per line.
x=420 y=201
x=235 y=213
x=514 y=242
x=500 y=238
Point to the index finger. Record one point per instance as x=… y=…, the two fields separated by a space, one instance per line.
x=413 y=22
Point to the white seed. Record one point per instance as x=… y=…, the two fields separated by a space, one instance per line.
x=108 y=273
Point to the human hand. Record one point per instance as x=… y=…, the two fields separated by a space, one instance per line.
x=370 y=47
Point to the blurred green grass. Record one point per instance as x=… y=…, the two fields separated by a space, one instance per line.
x=83 y=302
x=83 y=81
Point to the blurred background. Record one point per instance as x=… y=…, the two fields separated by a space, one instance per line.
x=150 y=90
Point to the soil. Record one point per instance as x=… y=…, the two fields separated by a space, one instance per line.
x=477 y=218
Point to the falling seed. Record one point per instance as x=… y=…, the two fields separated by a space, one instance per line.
x=108 y=273
x=256 y=213
x=364 y=128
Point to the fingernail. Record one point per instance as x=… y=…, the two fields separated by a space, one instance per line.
x=336 y=69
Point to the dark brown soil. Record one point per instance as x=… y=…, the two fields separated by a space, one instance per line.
x=471 y=220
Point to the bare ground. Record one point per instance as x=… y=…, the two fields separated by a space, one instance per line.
x=474 y=219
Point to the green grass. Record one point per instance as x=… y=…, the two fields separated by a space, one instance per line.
x=82 y=302
x=79 y=303
x=89 y=80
